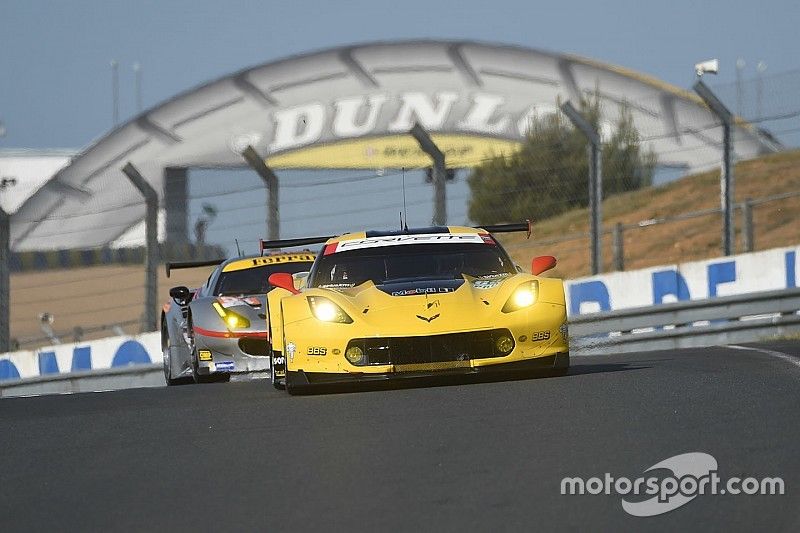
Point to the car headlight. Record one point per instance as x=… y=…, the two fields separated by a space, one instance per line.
x=232 y=320
x=524 y=296
x=327 y=311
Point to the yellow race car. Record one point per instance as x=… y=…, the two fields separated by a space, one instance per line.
x=410 y=303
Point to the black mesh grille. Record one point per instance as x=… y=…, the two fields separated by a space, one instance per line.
x=450 y=347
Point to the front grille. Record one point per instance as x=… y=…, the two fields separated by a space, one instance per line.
x=450 y=347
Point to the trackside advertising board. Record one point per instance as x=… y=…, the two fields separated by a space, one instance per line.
x=760 y=271
x=111 y=352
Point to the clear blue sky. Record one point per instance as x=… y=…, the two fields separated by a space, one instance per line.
x=54 y=64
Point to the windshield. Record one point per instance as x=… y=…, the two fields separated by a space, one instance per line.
x=394 y=264
x=254 y=280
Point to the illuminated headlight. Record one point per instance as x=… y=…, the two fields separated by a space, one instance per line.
x=231 y=319
x=504 y=344
x=354 y=354
x=525 y=296
x=327 y=311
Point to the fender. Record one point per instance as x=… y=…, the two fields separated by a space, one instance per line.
x=274 y=303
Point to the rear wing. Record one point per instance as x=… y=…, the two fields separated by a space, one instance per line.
x=510 y=228
x=191 y=264
x=289 y=243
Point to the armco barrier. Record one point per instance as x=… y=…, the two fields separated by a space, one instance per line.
x=130 y=377
x=769 y=270
x=723 y=320
x=101 y=354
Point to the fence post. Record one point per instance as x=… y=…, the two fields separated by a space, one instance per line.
x=5 y=293
x=619 y=247
x=595 y=182
x=726 y=177
x=151 y=251
x=176 y=207
x=747 y=223
x=257 y=163
x=439 y=173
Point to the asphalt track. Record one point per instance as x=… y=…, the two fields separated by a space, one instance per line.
x=476 y=456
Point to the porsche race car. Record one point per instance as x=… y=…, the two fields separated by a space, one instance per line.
x=423 y=302
x=220 y=329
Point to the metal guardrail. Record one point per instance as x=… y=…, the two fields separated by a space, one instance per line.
x=128 y=377
x=714 y=321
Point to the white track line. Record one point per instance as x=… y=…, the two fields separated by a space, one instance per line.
x=780 y=355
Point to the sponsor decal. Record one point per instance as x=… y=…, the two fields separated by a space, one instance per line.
x=279 y=360
x=362 y=115
x=540 y=336
x=224 y=366
x=740 y=274
x=393 y=151
x=396 y=240
x=267 y=260
x=486 y=283
x=317 y=350
x=204 y=355
x=230 y=301
x=290 y=349
x=672 y=483
x=337 y=286
x=370 y=128
x=423 y=290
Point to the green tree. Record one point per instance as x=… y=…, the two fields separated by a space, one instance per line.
x=549 y=174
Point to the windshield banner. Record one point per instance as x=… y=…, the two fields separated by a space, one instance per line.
x=395 y=240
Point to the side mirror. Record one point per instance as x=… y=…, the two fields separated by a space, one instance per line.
x=181 y=295
x=284 y=281
x=543 y=263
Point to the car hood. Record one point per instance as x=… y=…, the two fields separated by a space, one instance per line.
x=426 y=305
